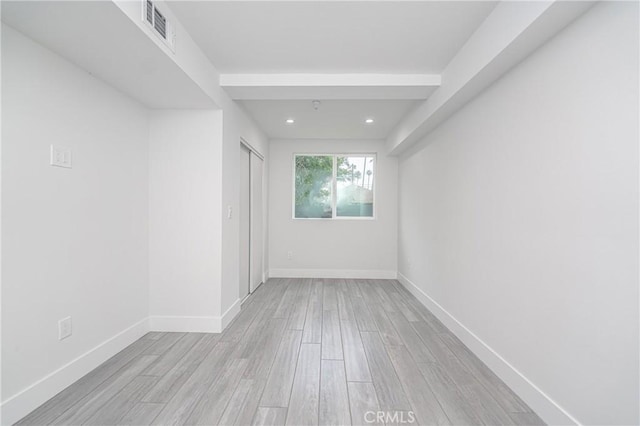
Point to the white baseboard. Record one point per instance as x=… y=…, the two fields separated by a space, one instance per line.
x=191 y=324
x=379 y=274
x=230 y=314
x=27 y=400
x=185 y=324
x=550 y=411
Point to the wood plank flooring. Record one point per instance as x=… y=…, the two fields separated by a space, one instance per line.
x=301 y=352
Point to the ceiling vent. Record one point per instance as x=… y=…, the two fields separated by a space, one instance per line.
x=161 y=26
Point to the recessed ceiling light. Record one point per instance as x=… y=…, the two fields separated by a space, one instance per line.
x=290 y=121
x=369 y=121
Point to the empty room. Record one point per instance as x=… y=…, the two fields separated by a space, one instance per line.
x=323 y=212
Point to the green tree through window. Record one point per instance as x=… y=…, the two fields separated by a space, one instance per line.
x=314 y=186
x=314 y=175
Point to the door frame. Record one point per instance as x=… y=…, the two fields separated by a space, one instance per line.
x=257 y=153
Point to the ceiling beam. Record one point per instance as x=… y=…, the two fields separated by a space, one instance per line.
x=509 y=34
x=329 y=86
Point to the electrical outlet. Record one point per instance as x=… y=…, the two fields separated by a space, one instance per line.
x=289 y=255
x=60 y=157
x=64 y=328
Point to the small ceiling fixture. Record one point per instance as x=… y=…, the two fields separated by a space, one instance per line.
x=290 y=121
x=369 y=121
x=316 y=104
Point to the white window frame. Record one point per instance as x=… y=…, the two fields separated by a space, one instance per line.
x=334 y=185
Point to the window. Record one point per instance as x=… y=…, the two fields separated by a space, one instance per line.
x=354 y=184
x=333 y=186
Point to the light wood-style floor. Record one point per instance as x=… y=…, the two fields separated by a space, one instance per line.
x=302 y=351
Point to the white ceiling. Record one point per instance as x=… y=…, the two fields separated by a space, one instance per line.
x=331 y=36
x=336 y=119
x=361 y=58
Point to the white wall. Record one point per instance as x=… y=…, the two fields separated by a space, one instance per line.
x=194 y=246
x=236 y=125
x=519 y=216
x=331 y=248
x=220 y=274
x=74 y=241
x=185 y=179
x=1 y=395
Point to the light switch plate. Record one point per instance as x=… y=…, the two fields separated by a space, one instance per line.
x=60 y=157
x=64 y=328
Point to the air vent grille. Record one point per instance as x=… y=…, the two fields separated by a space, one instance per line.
x=149 y=12
x=160 y=23
x=157 y=20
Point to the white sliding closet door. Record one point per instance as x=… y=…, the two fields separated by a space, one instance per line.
x=244 y=216
x=256 y=255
